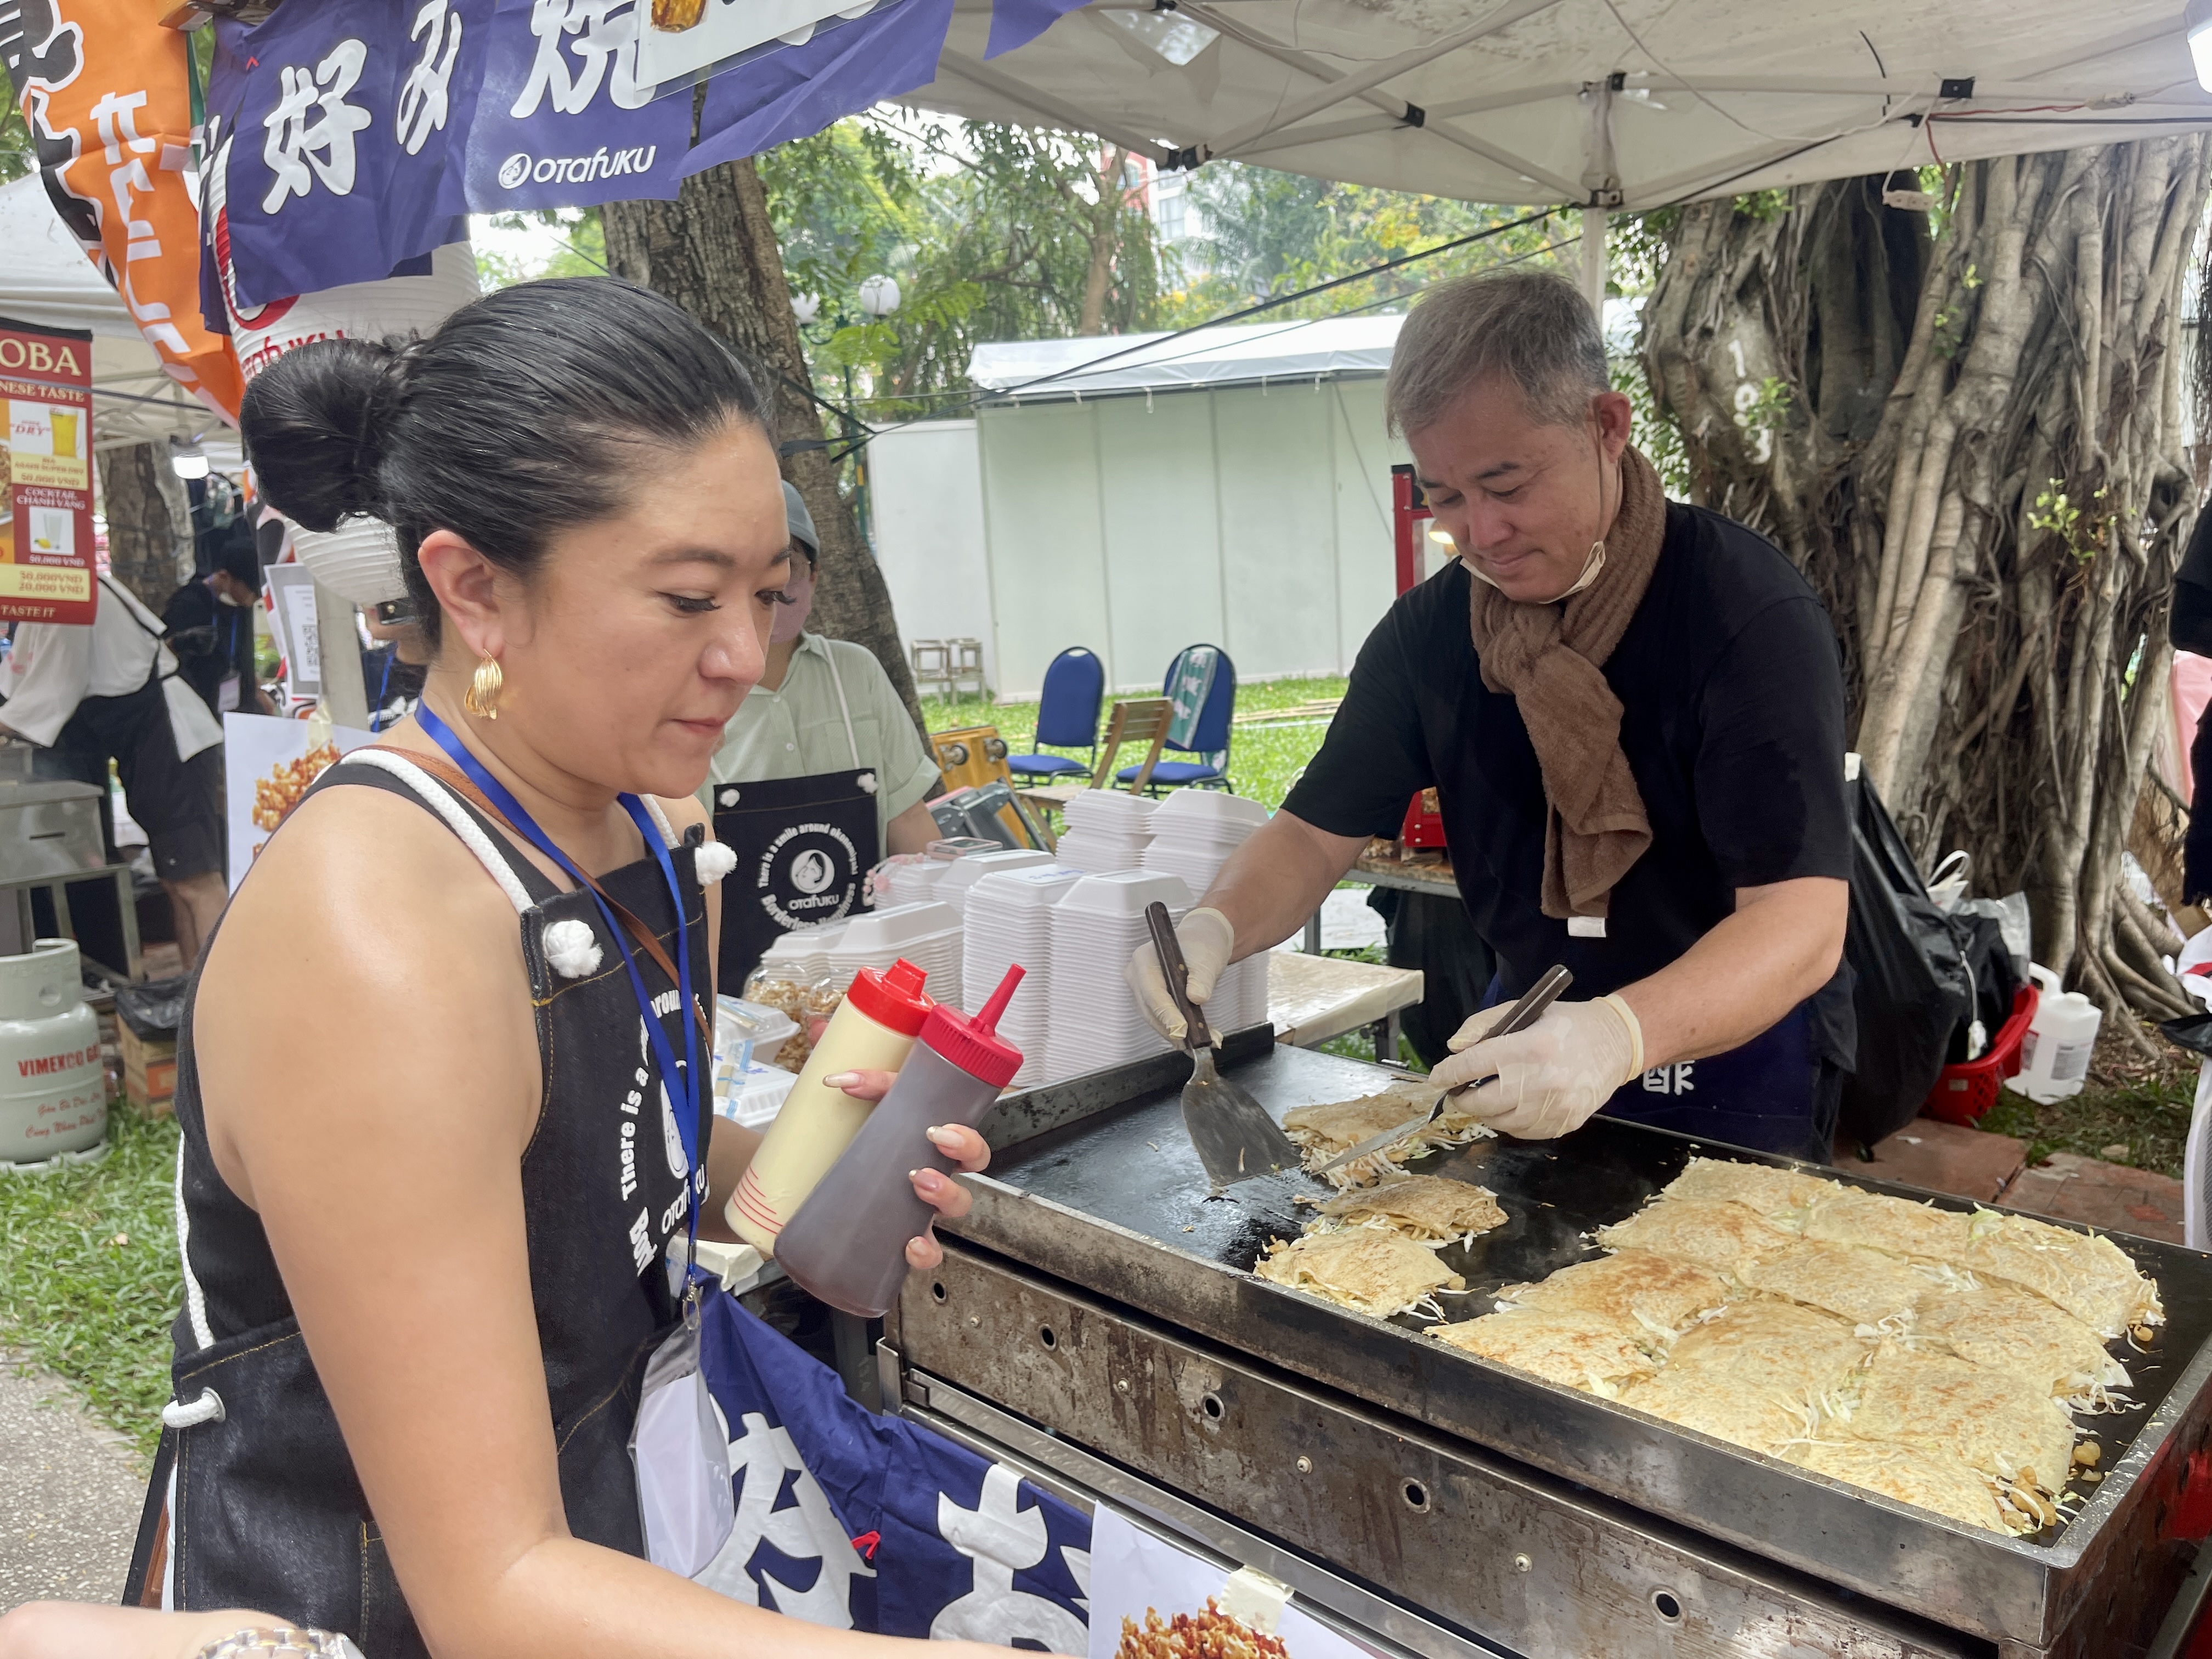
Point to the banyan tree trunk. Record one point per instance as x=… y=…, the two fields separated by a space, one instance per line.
x=1971 y=443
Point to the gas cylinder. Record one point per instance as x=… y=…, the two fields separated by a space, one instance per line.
x=53 y=1089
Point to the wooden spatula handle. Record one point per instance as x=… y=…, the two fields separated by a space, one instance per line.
x=1177 y=972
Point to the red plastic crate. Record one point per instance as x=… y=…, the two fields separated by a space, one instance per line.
x=1969 y=1088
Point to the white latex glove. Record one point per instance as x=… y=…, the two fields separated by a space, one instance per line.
x=1206 y=940
x=1549 y=1078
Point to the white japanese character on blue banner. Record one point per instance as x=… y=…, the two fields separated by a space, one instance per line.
x=312 y=127
x=423 y=95
x=605 y=44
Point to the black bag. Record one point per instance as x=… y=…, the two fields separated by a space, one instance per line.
x=154 y=1008
x=1913 y=988
x=1995 y=981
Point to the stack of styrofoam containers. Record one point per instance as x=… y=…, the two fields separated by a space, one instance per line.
x=1008 y=921
x=1107 y=831
x=804 y=950
x=926 y=935
x=1194 y=833
x=914 y=882
x=1096 y=927
x=962 y=874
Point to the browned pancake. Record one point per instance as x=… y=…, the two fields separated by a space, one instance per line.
x=1366 y=1269
x=1634 y=1289
x=1864 y=1286
x=1929 y=1479
x=1429 y=1209
x=2003 y=1426
x=1769 y=1191
x=2091 y=1278
x=2019 y=1334
x=1580 y=1350
x=1754 y=1376
x=1848 y=1216
x=1707 y=1231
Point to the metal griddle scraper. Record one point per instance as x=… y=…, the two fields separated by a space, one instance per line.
x=1526 y=1012
x=1235 y=1138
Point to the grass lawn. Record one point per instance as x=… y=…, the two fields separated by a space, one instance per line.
x=2132 y=1111
x=89 y=1274
x=1264 y=761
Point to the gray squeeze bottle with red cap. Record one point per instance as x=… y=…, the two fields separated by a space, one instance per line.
x=847 y=1245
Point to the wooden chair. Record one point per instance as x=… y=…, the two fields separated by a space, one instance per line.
x=932 y=662
x=1143 y=720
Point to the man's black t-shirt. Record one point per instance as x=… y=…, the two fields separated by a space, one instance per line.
x=211 y=642
x=1732 y=721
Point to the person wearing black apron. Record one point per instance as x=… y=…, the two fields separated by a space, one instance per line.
x=1631 y=712
x=444 y=1077
x=818 y=775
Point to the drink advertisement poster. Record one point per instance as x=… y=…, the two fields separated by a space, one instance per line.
x=45 y=533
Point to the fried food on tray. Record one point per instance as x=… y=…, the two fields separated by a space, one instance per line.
x=1864 y=1286
x=1212 y=1634
x=2091 y=1278
x=2002 y=1425
x=1580 y=1350
x=1366 y=1269
x=1931 y=1479
x=1754 y=1376
x=1759 y=1187
x=2019 y=1334
x=1634 y=1289
x=1845 y=1215
x=1427 y=1209
x=1707 y=1231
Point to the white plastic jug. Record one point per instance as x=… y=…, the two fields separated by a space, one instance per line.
x=53 y=1087
x=2054 y=1060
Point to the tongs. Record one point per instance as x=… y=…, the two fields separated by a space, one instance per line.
x=1235 y=1138
x=1526 y=1012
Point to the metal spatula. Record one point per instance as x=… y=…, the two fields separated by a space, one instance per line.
x=1235 y=1138
x=1526 y=1012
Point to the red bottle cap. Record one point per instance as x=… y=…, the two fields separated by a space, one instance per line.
x=893 y=998
x=974 y=1045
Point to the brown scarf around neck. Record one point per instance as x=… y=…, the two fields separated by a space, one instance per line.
x=1549 y=656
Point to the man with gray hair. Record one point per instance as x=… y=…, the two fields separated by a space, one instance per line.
x=1632 y=711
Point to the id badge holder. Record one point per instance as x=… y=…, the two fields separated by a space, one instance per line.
x=680 y=1448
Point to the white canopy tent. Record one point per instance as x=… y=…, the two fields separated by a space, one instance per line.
x=1603 y=104
x=46 y=279
x=1249 y=353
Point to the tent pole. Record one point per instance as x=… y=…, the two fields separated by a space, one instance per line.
x=1594 y=264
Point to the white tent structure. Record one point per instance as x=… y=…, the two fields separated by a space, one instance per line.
x=1609 y=103
x=46 y=279
x=1603 y=104
x=1231 y=487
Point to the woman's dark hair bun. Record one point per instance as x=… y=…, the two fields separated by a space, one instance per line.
x=315 y=422
x=531 y=410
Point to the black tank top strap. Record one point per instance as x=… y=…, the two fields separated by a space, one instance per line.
x=525 y=886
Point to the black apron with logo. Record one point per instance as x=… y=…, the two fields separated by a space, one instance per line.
x=254 y=1501
x=805 y=846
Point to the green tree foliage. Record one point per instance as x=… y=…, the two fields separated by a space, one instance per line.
x=17 y=157
x=992 y=233
x=1269 y=234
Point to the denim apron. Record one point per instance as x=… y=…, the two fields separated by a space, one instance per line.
x=254 y=1502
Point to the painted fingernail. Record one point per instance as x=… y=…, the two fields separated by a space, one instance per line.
x=841 y=1080
x=945 y=1135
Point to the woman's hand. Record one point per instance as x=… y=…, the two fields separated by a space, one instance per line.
x=968 y=1150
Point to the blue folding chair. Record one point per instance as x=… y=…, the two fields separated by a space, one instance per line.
x=1067 y=716
x=1208 y=740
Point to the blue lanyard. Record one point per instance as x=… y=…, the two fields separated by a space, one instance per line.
x=687 y=1111
x=383 y=684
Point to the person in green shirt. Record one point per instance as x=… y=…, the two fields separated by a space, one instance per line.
x=820 y=774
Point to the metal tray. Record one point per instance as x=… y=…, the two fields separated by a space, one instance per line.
x=1095 y=1183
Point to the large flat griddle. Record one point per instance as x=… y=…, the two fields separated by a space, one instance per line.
x=1095 y=1183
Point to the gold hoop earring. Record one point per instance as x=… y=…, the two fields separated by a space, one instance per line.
x=481 y=698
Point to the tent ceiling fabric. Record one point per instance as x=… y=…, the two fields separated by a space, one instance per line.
x=1567 y=102
x=1249 y=354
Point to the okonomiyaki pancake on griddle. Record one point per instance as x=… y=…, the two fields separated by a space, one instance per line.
x=1864 y=1286
x=1879 y=1222
x=1759 y=1187
x=2007 y=1329
x=1428 y=1209
x=1932 y=1479
x=1367 y=1269
x=2091 y=1278
x=1581 y=1349
x=1711 y=1232
x=2002 y=1425
x=1633 y=1288
x=1754 y=1374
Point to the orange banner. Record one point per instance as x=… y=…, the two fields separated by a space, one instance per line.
x=104 y=91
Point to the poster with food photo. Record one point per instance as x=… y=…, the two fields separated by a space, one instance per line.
x=45 y=475
x=268 y=765
x=1151 y=1599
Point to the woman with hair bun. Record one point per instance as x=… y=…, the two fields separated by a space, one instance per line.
x=424 y=1196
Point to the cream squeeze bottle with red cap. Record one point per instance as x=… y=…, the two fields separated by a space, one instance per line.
x=847 y=1245
x=873 y=1030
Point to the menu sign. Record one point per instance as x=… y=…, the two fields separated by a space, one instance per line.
x=45 y=532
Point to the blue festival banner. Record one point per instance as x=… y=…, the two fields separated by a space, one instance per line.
x=780 y=95
x=1016 y=22
x=872 y=1523
x=335 y=131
